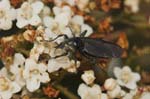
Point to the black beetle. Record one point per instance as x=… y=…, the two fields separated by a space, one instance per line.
x=90 y=47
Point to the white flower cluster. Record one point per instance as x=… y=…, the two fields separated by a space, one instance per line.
x=29 y=72
x=90 y=90
x=113 y=88
x=7 y=15
x=35 y=13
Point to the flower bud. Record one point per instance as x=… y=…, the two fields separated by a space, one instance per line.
x=88 y=77
x=110 y=84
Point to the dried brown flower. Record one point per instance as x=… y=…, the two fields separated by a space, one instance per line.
x=29 y=35
x=16 y=3
x=104 y=25
x=107 y=5
x=50 y=91
x=145 y=77
x=123 y=43
x=6 y=53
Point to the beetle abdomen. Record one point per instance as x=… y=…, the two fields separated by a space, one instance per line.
x=100 y=48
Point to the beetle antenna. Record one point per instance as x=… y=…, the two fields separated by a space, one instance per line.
x=83 y=33
x=71 y=31
x=61 y=35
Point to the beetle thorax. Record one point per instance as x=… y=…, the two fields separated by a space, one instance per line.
x=77 y=42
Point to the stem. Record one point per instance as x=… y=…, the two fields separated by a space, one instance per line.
x=65 y=91
x=23 y=51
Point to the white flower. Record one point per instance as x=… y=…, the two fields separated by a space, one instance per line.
x=59 y=24
x=110 y=84
x=29 y=14
x=88 y=28
x=62 y=15
x=145 y=95
x=34 y=74
x=49 y=34
x=46 y=11
x=7 y=87
x=128 y=96
x=60 y=62
x=93 y=92
x=88 y=77
x=7 y=15
x=133 y=4
x=116 y=92
x=73 y=66
x=125 y=77
x=64 y=62
x=17 y=68
x=40 y=48
x=61 y=19
x=79 y=21
x=36 y=51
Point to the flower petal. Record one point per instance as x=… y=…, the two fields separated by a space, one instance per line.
x=126 y=68
x=56 y=10
x=44 y=77
x=42 y=67
x=19 y=59
x=48 y=22
x=136 y=76
x=131 y=85
x=49 y=34
x=16 y=87
x=35 y=20
x=115 y=93
x=145 y=95
x=62 y=19
x=33 y=84
x=52 y=66
x=5 y=24
x=21 y=22
x=37 y=7
x=104 y=96
x=5 y=95
x=46 y=11
x=117 y=72
x=67 y=31
x=77 y=19
x=88 y=28
x=67 y=10
x=12 y=14
x=5 y=4
x=86 y=92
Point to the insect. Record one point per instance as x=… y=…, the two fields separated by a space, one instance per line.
x=90 y=47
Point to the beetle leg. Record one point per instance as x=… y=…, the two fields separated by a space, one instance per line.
x=96 y=65
x=83 y=33
x=61 y=45
x=64 y=54
x=72 y=51
x=73 y=56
